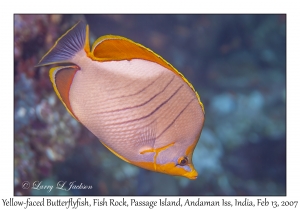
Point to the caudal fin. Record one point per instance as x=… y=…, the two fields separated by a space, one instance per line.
x=74 y=40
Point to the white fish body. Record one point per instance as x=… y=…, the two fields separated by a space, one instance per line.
x=137 y=104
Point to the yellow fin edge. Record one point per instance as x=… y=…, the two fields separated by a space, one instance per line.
x=52 y=78
x=172 y=68
x=55 y=46
x=116 y=154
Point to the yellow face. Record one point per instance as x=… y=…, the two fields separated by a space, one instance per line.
x=184 y=167
x=170 y=154
x=180 y=164
x=173 y=159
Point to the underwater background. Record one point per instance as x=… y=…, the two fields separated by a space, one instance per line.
x=237 y=64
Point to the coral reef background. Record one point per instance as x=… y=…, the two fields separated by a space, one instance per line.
x=237 y=64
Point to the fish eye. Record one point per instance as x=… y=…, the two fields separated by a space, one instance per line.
x=182 y=161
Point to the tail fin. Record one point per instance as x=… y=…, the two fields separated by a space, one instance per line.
x=74 y=40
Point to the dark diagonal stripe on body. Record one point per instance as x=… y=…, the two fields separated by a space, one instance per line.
x=117 y=110
x=175 y=118
x=123 y=96
x=156 y=109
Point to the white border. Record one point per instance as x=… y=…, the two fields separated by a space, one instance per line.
x=154 y=6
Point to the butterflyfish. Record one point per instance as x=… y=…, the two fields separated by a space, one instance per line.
x=138 y=105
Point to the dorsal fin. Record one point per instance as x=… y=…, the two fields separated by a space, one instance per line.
x=74 y=40
x=114 y=48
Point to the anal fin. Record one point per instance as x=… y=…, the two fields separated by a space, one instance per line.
x=62 y=78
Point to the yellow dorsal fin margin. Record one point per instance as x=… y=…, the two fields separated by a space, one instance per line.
x=114 y=48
